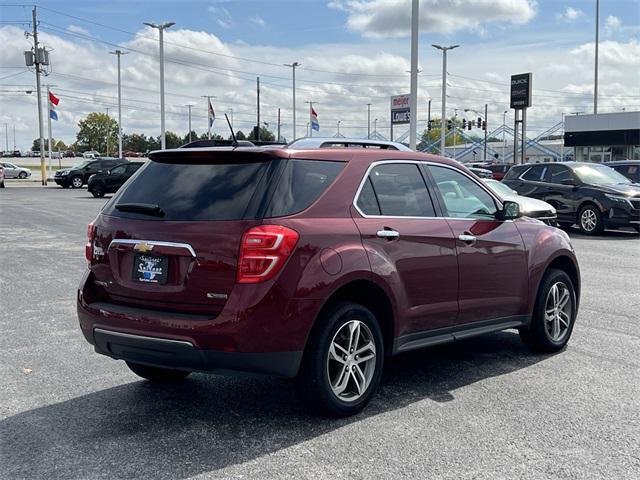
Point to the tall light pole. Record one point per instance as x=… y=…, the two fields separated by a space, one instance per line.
x=293 y=68
x=368 y=120
x=189 y=107
x=161 y=28
x=444 y=92
x=504 y=128
x=119 y=53
x=595 y=80
x=415 y=28
x=375 y=126
x=108 y=130
x=339 y=121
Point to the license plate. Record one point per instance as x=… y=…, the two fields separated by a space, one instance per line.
x=150 y=269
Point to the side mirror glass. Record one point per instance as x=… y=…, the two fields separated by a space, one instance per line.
x=510 y=210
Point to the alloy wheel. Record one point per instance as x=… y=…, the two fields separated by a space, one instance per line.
x=557 y=312
x=588 y=220
x=77 y=182
x=351 y=361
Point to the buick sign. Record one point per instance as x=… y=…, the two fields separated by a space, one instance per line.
x=521 y=91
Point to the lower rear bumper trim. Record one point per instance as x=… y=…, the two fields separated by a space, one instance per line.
x=183 y=355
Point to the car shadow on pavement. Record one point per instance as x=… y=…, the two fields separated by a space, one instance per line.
x=628 y=234
x=210 y=422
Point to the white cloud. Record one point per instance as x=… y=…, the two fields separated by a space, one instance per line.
x=257 y=20
x=77 y=29
x=222 y=16
x=570 y=14
x=612 y=24
x=392 y=18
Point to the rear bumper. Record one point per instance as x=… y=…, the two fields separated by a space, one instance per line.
x=183 y=355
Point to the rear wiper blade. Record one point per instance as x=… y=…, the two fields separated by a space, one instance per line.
x=142 y=208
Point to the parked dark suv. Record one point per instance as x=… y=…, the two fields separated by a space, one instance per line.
x=591 y=195
x=314 y=264
x=111 y=180
x=78 y=175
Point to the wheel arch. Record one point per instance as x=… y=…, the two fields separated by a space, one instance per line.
x=569 y=266
x=369 y=294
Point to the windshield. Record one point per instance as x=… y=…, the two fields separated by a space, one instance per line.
x=81 y=164
x=500 y=188
x=600 y=175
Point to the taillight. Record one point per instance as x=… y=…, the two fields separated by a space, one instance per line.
x=91 y=235
x=264 y=251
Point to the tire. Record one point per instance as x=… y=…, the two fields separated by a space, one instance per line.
x=157 y=374
x=541 y=334
x=590 y=220
x=2 y=184
x=321 y=369
x=22 y=175
x=97 y=191
x=76 y=182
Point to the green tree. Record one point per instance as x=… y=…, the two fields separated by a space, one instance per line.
x=433 y=135
x=240 y=135
x=58 y=145
x=265 y=135
x=135 y=142
x=95 y=130
x=172 y=140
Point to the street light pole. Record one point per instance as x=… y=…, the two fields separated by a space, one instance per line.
x=415 y=28
x=375 y=126
x=339 y=127
x=444 y=93
x=293 y=68
x=161 y=28
x=189 y=107
x=595 y=80
x=504 y=128
x=368 y=120
x=119 y=53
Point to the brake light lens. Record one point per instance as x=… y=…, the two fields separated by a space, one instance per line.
x=264 y=251
x=91 y=235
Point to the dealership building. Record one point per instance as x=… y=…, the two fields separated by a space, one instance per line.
x=603 y=137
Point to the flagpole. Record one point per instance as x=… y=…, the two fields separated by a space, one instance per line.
x=49 y=120
x=311 y=119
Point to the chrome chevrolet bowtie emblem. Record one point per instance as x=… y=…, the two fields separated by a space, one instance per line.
x=143 y=247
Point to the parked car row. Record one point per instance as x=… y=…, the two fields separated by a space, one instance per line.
x=78 y=175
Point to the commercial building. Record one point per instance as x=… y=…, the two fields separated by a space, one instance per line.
x=603 y=137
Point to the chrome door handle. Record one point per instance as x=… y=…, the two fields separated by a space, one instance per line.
x=387 y=234
x=467 y=238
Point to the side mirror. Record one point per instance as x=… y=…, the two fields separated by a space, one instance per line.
x=510 y=210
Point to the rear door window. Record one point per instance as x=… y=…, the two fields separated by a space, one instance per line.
x=300 y=184
x=367 y=201
x=192 y=192
x=535 y=173
x=400 y=191
x=559 y=174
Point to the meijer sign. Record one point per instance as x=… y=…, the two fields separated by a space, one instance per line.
x=400 y=109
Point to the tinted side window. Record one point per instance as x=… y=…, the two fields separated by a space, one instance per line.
x=118 y=170
x=463 y=197
x=132 y=168
x=192 y=192
x=300 y=184
x=513 y=173
x=367 y=201
x=559 y=173
x=401 y=191
x=535 y=174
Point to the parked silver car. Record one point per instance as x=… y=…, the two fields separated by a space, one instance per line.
x=13 y=171
x=529 y=207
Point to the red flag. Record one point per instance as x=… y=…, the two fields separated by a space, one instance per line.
x=53 y=99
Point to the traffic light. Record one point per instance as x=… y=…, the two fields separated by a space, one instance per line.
x=449 y=124
x=469 y=125
x=479 y=124
x=484 y=125
x=464 y=123
x=429 y=125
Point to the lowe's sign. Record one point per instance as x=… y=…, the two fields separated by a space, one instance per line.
x=401 y=109
x=521 y=91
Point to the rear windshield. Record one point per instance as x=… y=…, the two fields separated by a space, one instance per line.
x=301 y=183
x=192 y=192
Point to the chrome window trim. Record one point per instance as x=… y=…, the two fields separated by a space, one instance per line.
x=157 y=243
x=418 y=162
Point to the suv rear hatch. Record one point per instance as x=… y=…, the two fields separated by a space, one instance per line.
x=170 y=238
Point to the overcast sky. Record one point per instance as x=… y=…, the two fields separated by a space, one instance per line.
x=352 y=52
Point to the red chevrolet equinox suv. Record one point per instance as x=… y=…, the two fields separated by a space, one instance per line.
x=314 y=265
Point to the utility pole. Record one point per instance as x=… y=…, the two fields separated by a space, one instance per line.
x=208 y=97
x=14 y=136
x=119 y=53
x=415 y=28
x=293 y=68
x=161 y=28
x=339 y=127
x=38 y=57
x=595 y=80
x=444 y=93
x=368 y=120
x=486 y=130
x=189 y=106
x=258 y=108
x=108 y=130
x=6 y=135
x=278 y=125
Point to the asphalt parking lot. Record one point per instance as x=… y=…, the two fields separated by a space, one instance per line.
x=483 y=408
